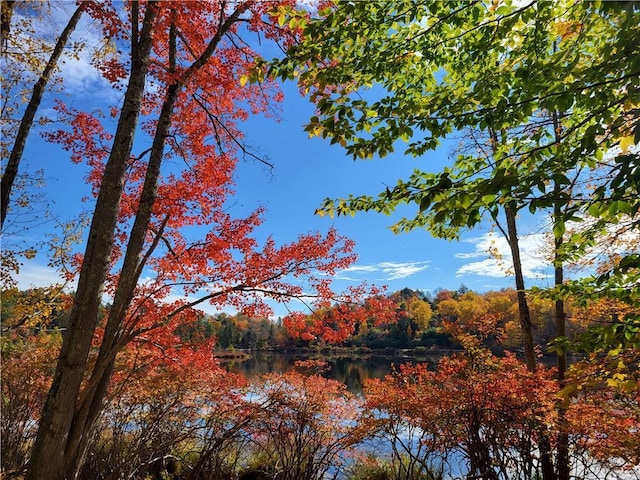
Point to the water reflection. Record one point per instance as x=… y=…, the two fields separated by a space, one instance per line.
x=352 y=370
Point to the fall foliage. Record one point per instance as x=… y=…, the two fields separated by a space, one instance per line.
x=171 y=407
x=160 y=221
x=120 y=378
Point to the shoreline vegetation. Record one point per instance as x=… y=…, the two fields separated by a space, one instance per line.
x=174 y=414
x=336 y=351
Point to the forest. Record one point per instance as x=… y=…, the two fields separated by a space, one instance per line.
x=419 y=320
x=115 y=372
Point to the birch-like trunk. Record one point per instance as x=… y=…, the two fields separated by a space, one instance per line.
x=11 y=170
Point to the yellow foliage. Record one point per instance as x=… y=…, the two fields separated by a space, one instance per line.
x=32 y=309
x=421 y=312
x=626 y=143
x=567 y=29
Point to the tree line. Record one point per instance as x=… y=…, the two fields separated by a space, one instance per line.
x=172 y=411
x=419 y=320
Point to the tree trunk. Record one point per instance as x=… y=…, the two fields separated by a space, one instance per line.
x=480 y=465
x=11 y=170
x=47 y=461
x=92 y=399
x=6 y=12
x=546 y=458
x=562 y=461
x=524 y=314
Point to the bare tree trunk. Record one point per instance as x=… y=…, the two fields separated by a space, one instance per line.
x=11 y=170
x=562 y=450
x=47 y=461
x=91 y=404
x=548 y=471
x=524 y=314
x=562 y=461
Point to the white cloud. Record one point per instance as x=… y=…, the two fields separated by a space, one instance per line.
x=395 y=271
x=496 y=260
x=385 y=271
x=33 y=275
x=362 y=268
x=80 y=76
x=76 y=69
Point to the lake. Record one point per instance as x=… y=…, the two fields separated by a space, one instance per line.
x=351 y=369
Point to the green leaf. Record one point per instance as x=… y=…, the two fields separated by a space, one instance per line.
x=598 y=154
x=425 y=203
x=594 y=210
x=465 y=200
x=559 y=229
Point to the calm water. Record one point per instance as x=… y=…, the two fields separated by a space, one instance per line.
x=353 y=371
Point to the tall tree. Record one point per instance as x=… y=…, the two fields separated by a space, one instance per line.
x=414 y=72
x=32 y=54
x=150 y=214
x=48 y=455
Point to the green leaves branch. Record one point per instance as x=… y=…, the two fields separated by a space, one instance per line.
x=411 y=73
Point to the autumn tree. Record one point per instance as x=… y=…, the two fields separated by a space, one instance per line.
x=154 y=218
x=33 y=310
x=167 y=407
x=27 y=368
x=336 y=323
x=525 y=74
x=421 y=312
x=31 y=57
x=305 y=424
x=497 y=404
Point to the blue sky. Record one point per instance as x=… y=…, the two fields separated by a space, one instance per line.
x=309 y=169
x=305 y=172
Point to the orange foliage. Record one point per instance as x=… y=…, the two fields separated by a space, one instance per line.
x=339 y=322
x=603 y=406
x=193 y=246
x=198 y=248
x=27 y=370
x=166 y=396
x=489 y=410
x=606 y=424
x=304 y=423
x=601 y=312
x=161 y=217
